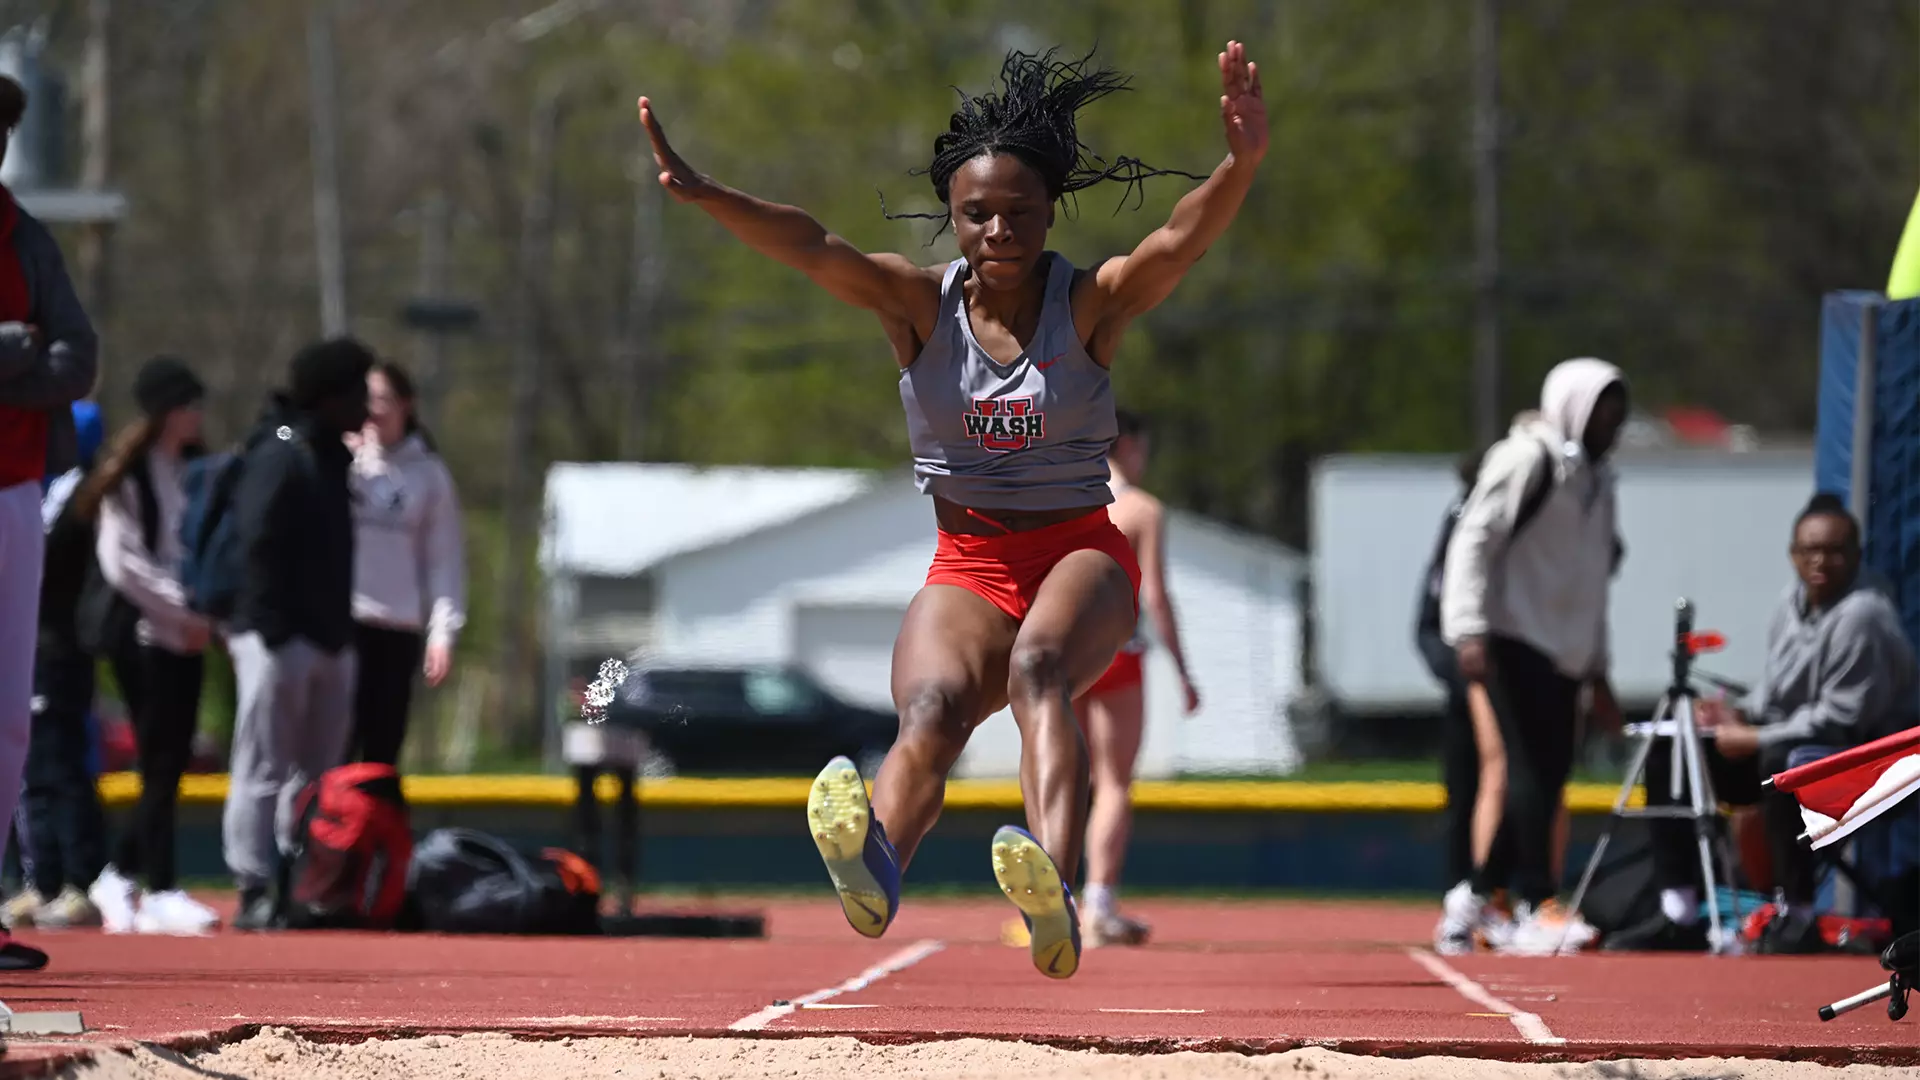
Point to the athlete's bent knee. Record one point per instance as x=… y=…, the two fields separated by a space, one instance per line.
x=1035 y=670
x=935 y=719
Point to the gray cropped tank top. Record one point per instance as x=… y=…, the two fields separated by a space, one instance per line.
x=1031 y=435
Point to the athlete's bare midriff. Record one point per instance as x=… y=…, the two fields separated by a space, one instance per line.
x=954 y=518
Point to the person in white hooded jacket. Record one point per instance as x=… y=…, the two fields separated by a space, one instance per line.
x=1524 y=606
x=409 y=574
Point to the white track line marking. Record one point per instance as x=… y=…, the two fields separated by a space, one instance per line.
x=1531 y=1027
x=899 y=961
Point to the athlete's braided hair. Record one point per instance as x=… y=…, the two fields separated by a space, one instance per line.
x=1032 y=118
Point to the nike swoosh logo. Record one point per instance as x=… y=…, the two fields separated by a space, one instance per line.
x=1053 y=965
x=1044 y=365
x=877 y=917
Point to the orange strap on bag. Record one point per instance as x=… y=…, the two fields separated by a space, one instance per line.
x=576 y=873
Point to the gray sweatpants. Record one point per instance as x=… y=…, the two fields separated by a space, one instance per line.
x=295 y=721
x=22 y=552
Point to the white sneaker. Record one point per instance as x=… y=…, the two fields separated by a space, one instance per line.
x=1548 y=930
x=113 y=895
x=1112 y=928
x=174 y=912
x=1468 y=919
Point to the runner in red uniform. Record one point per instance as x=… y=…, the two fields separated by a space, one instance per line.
x=1113 y=710
x=1003 y=356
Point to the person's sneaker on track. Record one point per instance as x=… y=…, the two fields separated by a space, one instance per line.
x=864 y=869
x=174 y=912
x=15 y=956
x=1546 y=930
x=70 y=910
x=114 y=896
x=1027 y=875
x=1098 y=929
x=1468 y=920
x=23 y=908
x=256 y=911
x=1013 y=933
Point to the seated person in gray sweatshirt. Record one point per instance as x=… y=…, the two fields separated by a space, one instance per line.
x=1839 y=672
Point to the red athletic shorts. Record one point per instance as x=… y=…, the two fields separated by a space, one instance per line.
x=1126 y=671
x=1007 y=570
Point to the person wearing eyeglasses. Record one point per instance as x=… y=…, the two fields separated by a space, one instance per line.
x=1839 y=673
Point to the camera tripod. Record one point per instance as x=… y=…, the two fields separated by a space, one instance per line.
x=1673 y=719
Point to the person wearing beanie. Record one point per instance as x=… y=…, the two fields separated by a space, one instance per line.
x=62 y=827
x=137 y=496
x=409 y=578
x=291 y=633
x=48 y=360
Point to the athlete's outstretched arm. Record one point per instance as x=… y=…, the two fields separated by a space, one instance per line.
x=1137 y=283
x=882 y=283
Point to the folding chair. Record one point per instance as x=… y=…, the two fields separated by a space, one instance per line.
x=1840 y=793
x=1875 y=847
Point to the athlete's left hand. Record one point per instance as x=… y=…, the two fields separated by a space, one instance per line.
x=1241 y=105
x=1192 y=696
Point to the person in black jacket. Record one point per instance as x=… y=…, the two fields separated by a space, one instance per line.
x=291 y=633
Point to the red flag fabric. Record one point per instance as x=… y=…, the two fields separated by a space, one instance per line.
x=1842 y=792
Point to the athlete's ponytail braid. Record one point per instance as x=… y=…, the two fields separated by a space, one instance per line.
x=1033 y=118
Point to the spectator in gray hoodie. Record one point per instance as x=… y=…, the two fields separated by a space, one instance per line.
x=1524 y=606
x=409 y=565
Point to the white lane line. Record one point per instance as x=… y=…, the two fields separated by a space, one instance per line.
x=899 y=961
x=1531 y=1027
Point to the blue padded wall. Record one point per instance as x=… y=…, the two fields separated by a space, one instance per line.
x=1893 y=491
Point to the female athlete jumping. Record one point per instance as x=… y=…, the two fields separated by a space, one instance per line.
x=1003 y=356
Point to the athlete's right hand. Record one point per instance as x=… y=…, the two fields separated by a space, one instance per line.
x=1472 y=655
x=679 y=178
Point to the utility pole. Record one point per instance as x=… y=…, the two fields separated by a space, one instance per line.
x=1486 y=221
x=96 y=148
x=642 y=303
x=522 y=494
x=323 y=121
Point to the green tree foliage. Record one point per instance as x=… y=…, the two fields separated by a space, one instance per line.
x=1680 y=184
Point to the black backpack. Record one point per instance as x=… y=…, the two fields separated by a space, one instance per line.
x=1427 y=627
x=1625 y=890
x=464 y=881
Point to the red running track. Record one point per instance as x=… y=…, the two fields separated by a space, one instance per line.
x=1247 y=976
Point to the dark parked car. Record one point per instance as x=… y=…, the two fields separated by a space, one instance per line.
x=767 y=720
